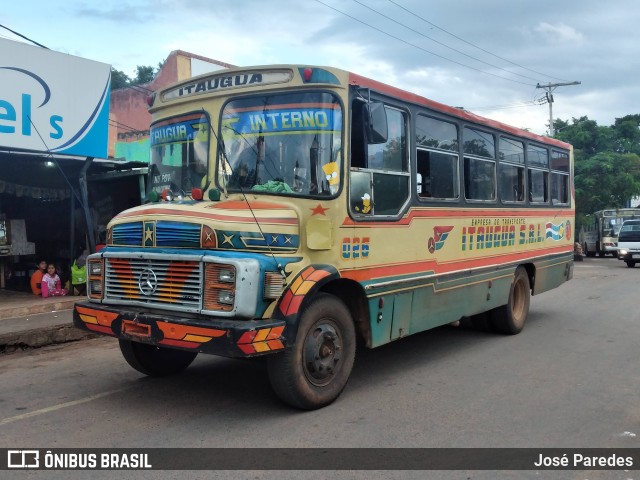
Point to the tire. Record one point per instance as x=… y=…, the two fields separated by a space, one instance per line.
x=155 y=361
x=510 y=318
x=314 y=371
x=630 y=263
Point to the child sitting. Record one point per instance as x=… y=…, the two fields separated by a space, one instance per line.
x=51 y=284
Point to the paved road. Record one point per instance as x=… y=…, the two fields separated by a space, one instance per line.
x=570 y=379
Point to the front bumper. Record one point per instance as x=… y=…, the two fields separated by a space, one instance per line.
x=626 y=254
x=228 y=338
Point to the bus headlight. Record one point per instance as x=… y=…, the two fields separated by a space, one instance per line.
x=622 y=252
x=232 y=287
x=227 y=275
x=219 y=287
x=95 y=268
x=95 y=278
x=226 y=297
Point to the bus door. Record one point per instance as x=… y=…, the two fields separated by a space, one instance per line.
x=379 y=191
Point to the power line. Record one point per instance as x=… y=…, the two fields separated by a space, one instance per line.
x=471 y=44
x=506 y=106
x=22 y=36
x=441 y=43
x=550 y=87
x=119 y=126
x=139 y=88
x=422 y=49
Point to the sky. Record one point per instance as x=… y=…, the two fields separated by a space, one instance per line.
x=486 y=56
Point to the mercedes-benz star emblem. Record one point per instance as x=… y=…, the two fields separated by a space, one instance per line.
x=147 y=282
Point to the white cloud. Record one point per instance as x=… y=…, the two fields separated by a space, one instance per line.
x=559 y=33
x=584 y=40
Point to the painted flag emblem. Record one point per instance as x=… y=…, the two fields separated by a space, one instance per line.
x=555 y=232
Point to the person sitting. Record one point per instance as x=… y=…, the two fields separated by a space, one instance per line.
x=51 y=284
x=36 y=278
x=79 y=274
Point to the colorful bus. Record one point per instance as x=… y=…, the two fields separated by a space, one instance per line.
x=601 y=235
x=296 y=211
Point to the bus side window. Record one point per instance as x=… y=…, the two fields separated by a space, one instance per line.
x=423 y=175
x=479 y=178
x=438 y=174
x=511 y=181
x=358 y=136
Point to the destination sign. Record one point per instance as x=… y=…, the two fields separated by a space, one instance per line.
x=222 y=81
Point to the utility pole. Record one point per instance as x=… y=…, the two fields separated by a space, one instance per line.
x=550 y=87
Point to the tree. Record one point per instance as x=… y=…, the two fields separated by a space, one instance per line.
x=143 y=75
x=585 y=135
x=119 y=79
x=627 y=134
x=606 y=180
x=607 y=162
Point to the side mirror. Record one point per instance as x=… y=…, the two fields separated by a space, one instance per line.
x=376 y=118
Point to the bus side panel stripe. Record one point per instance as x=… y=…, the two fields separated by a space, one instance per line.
x=389 y=270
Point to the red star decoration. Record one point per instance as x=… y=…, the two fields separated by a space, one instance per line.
x=318 y=210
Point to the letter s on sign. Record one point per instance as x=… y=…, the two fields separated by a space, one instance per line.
x=55 y=122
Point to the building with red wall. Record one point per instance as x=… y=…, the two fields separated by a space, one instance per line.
x=129 y=118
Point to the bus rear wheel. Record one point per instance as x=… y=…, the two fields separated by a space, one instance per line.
x=314 y=371
x=510 y=318
x=155 y=361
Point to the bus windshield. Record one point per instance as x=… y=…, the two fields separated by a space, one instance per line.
x=179 y=153
x=284 y=143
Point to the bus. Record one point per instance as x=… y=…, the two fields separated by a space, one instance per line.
x=600 y=236
x=294 y=212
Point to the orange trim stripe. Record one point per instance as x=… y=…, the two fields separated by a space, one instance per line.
x=453 y=214
x=240 y=205
x=261 y=335
x=212 y=216
x=180 y=332
x=275 y=344
x=102 y=318
x=100 y=329
x=275 y=333
x=379 y=272
x=179 y=343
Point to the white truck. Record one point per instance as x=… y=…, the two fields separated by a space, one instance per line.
x=629 y=242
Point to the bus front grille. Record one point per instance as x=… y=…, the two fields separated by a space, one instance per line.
x=127 y=234
x=154 y=282
x=177 y=234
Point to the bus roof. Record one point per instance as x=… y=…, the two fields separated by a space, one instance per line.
x=359 y=80
x=355 y=79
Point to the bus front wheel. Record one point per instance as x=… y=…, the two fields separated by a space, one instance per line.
x=155 y=361
x=510 y=318
x=630 y=263
x=314 y=371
